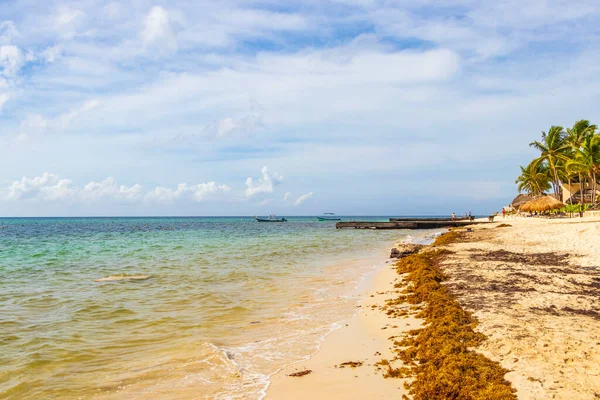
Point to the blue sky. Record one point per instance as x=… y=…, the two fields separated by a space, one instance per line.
x=243 y=107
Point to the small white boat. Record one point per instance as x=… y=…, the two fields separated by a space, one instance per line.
x=329 y=217
x=271 y=218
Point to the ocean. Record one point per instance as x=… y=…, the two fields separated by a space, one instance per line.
x=227 y=302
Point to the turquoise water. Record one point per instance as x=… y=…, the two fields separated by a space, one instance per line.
x=227 y=302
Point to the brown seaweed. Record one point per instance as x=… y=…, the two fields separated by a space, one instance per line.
x=300 y=373
x=440 y=357
x=351 y=364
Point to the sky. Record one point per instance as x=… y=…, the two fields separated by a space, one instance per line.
x=253 y=107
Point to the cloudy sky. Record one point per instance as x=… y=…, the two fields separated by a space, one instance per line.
x=245 y=107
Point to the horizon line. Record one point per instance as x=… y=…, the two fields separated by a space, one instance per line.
x=220 y=216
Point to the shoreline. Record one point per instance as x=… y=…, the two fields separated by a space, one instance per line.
x=362 y=334
x=550 y=351
x=367 y=334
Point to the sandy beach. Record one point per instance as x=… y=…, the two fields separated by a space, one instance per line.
x=534 y=287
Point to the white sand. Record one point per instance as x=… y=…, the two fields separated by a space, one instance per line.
x=532 y=306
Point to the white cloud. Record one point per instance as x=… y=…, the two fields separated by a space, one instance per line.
x=225 y=126
x=113 y=9
x=35 y=124
x=64 y=120
x=8 y=32
x=46 y=187
x=66 y=21
x=229 y=126
x=240 y=126
x=49 y=187
x=60 y=190
x=303 y=198
x=264 y=184
x=287 y=196
x=197 y=192
x=4 y=97
x=202 y=190
x=11 y=60
x=158 y=33
x=66 y=16
x=249 y=20
x=166 y=195
x=108 y=188
x=50 y=54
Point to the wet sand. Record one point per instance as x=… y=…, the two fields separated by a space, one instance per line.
x=364 y=339
x=535 y=288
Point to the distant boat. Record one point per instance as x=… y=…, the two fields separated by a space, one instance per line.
x=329 y=217
x=271 y=218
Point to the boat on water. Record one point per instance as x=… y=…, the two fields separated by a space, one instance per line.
x=329 y=217
x=271 y=218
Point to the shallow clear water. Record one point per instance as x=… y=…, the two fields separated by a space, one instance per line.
x=228 y=302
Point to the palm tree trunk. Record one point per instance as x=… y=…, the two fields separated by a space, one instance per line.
x=580 y=195
x=593 y=186
x=555 y=175
x=580 y=192
x=570 y=197
x=591 y=194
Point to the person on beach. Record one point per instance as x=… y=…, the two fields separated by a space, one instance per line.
x=503 y=213
x=453 y=216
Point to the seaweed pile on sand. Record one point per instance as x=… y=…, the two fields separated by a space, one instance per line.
x=440 y=357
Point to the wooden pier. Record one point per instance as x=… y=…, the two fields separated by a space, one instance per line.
x=445 y=219
x=407 y=224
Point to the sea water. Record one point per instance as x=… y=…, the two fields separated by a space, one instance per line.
x=227 y=302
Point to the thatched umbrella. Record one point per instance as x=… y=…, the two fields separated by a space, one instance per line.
x=520 y=200
x=545 y=203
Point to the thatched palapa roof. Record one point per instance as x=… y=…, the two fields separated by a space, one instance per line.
x=520 y=200
x=545 y=203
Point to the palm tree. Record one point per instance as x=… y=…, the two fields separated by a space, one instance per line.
x=566 y=174
x=576 y=136
x=587 y=163
x=579 y=132
x=554 y=149
x=534 y=178
x=595 y=155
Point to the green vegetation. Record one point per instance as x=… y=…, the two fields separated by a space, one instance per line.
x=534 y=178
x=440 y=357
x=570 y=156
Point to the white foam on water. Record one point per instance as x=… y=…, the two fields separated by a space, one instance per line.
x=408 y=239
x=269 y=350
x=359 y=286
x=289 y=345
